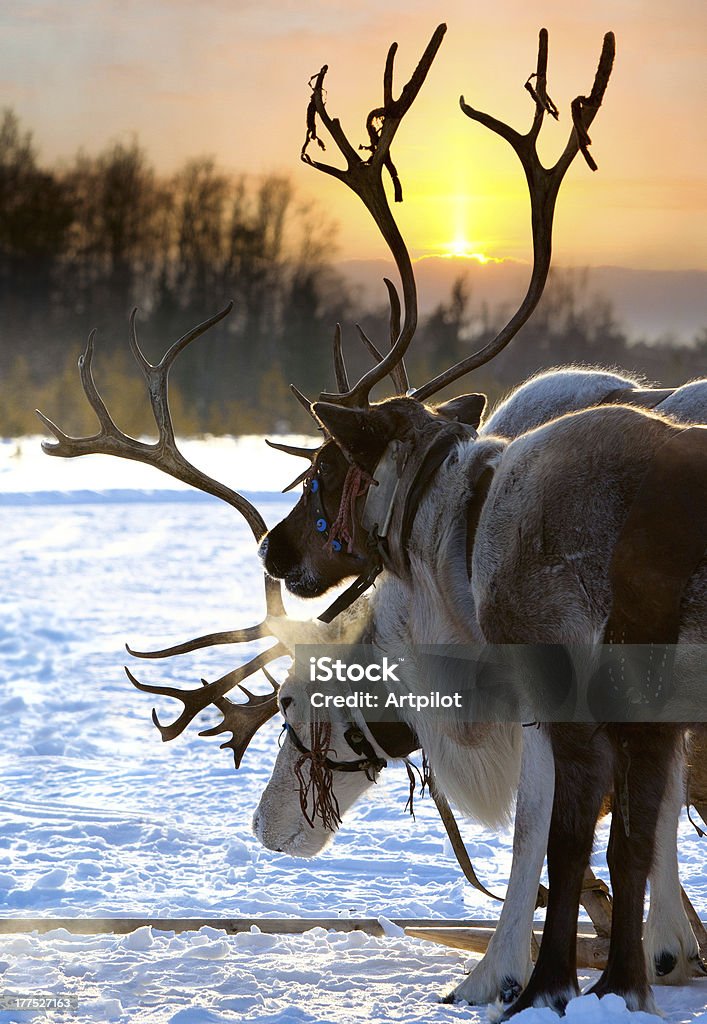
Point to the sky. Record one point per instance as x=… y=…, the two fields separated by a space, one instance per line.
x=229 y=78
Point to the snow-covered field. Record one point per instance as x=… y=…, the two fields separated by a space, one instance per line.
x=100 y=819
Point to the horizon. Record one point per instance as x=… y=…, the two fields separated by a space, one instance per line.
x=647 y=305
x=230 y=80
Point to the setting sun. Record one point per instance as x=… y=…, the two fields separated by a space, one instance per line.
x=461 y=249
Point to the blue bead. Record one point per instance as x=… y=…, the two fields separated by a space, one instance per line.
x=315 y=486
x=321 y=525
x=336 y=545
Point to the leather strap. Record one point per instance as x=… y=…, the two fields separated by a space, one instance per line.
x=430 y=450
x=398 y=740
x=352 y=593
x=460 y=852
x=394 y=514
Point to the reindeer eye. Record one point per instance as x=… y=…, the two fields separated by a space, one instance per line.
x=355 y=739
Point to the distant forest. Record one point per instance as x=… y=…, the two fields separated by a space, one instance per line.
x=84 y=242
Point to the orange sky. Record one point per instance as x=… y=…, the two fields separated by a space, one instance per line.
x=229 y=78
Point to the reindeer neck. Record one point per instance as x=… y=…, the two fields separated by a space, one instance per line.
x=405 y=474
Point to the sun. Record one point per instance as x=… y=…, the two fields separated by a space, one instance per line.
x=460 y=248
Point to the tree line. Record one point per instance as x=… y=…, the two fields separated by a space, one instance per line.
x=83 y=242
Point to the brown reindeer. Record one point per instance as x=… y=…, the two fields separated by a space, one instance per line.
x=396 y=488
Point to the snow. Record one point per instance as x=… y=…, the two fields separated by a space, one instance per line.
x=101 y=819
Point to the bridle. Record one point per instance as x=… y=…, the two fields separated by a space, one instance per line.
x=315 y=488
x=318 y=782
x=370 y=763
x=402 y=476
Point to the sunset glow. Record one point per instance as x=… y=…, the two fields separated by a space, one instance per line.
x=230 y=81
x=461 y=249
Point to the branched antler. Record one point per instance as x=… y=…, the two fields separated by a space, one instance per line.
x=543 y=183
x=166 y=456
x=397 y=374
x=364 y=177
x=163 y=454
x=242 y=720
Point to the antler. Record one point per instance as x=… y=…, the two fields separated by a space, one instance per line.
x=364 y=177
x=242 y=720
x=544 y=185
x=398 y=374
x=165 y=455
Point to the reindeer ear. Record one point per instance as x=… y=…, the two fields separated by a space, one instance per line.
x=353 y=430
x=465 y=409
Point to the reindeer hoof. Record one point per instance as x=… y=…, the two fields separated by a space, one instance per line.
x=556 y=1000
x=510 y=990
x=475 y=992
x=664 y=963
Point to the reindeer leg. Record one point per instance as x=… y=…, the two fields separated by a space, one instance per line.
x=505 y=967
x=645 y=760
x=671 y=949
x=582 y=777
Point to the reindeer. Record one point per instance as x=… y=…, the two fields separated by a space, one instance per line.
x=164 y=454
x=423 y=536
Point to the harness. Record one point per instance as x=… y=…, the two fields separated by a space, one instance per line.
x=406 y=470
x=400 y=481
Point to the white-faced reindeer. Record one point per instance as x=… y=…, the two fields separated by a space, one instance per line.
x=418 y=607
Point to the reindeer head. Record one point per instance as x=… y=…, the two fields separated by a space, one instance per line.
x=329 y=536
x=326 y=762
x=333 y=531
x=330 y=756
